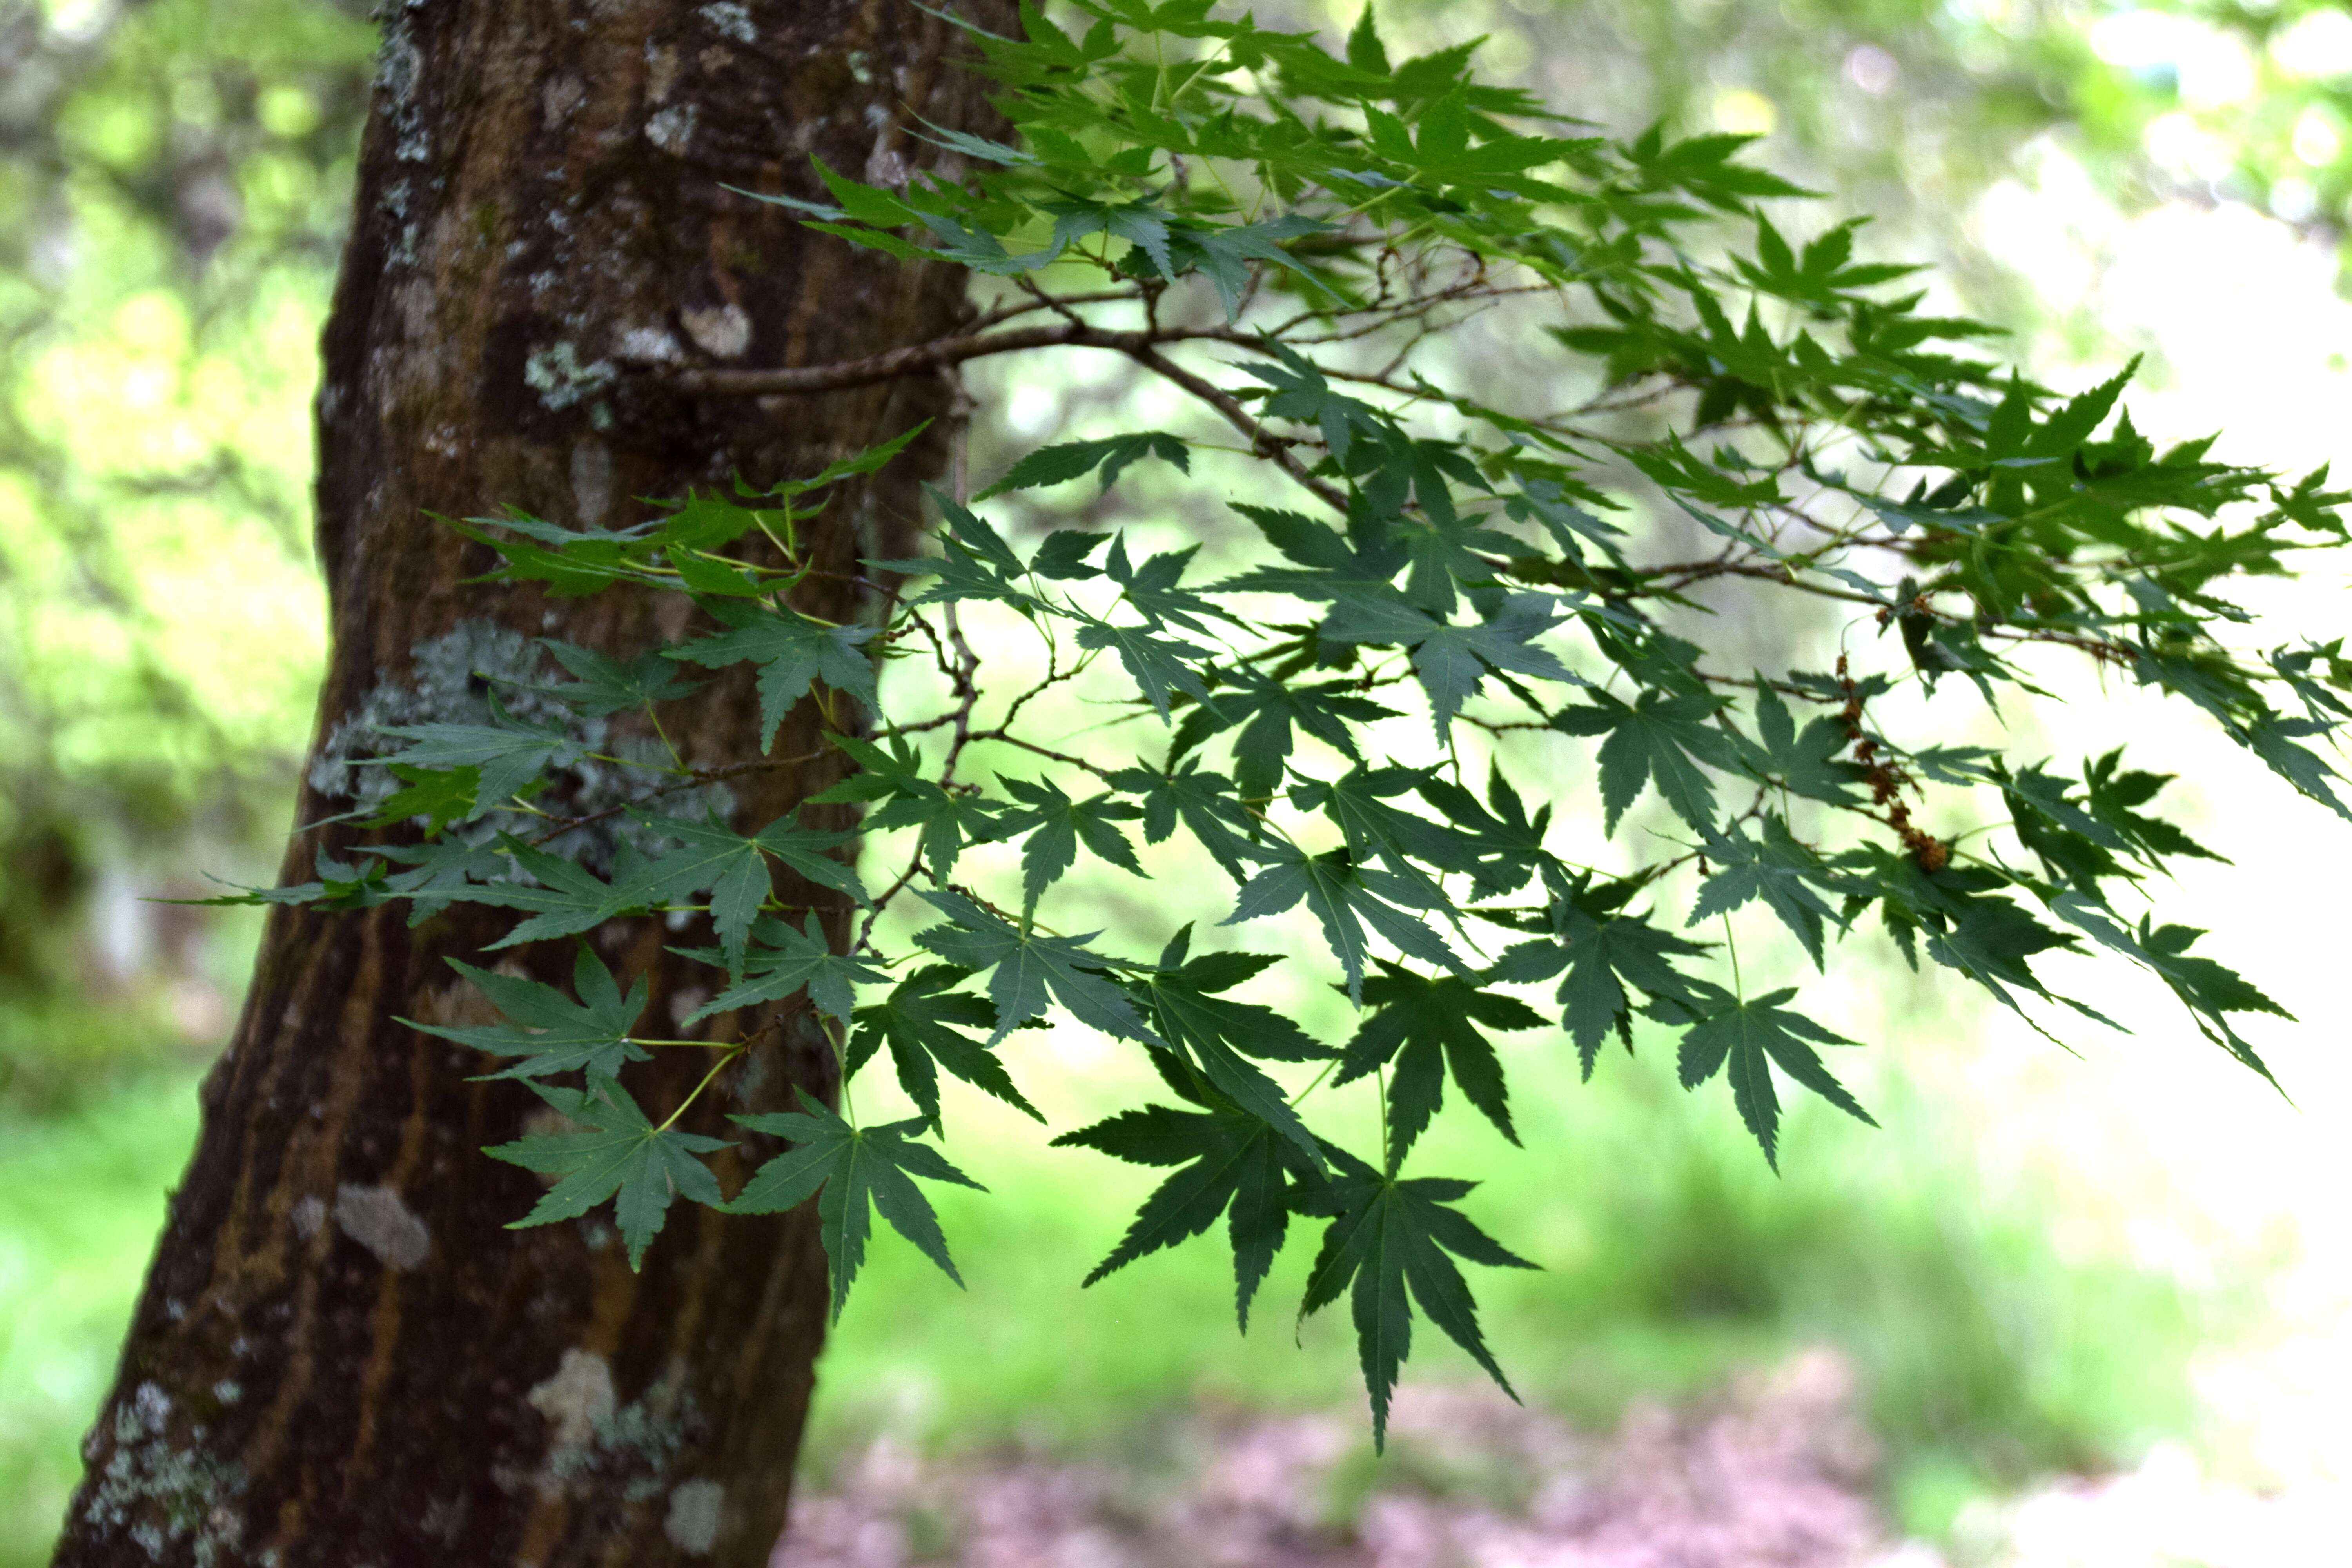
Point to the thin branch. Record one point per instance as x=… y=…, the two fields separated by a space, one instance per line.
x=940 y=354
x=1239 y=417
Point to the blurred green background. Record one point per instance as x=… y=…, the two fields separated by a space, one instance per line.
x=2045 y=1265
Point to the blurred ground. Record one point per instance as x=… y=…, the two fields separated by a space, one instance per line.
x=1774 y=1472
x=1778 y=1470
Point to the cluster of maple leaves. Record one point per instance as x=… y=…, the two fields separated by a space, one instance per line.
x=1498 y=579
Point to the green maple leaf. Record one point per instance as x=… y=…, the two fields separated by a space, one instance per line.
x=1442 y=151
x=856 y=1167
x=1345 y=897
x=703 y=524
x=2209 y=990
x=1141 y=225
x=919 y=1023
x=1428 y=1027
x=1745 y=1039
x=509 y=753
x=1661 y=737
x=439 y=796
x=1357 y=804
x=1224 y=253
x=1235 y=1166
x=948 y=819
x=1502 y=845
x=781 y=960
x=1072 y=460
x=734 y=867
x=1598 y=951
x=1388 y=1237
x=625 y=1158
x=1365 y=50
x=1062 y=555
x=1152 y=588
x=1445 y=550
x=974 y=561
x=2276 y=741
x=960 y=575
x=1326 y=563
x=1297 y=391
x=573 y=562
x=2080 y=848
x=1453 y=661
x=552 y=1033
x=1806 y=763
x=1158 y=665
x=1057 y=825
x=1031 y=969
x=1989 y=941
x=1203 y=802
x=1779 y=871
x=793 y=653
x=568 y=900
x=604 y=685
x=1267 y=710
x=441 y=873
x=1183 y=997
x=2113 y=792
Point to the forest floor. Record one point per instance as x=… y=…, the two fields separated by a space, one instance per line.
x=1775 y=1472
x=1778 y=1471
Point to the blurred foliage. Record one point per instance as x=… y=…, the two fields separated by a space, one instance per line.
x=174 y=180
x=68 y=1273
x=1910 y=108
x=2216 y=101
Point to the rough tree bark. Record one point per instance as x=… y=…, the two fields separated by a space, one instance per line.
x=340 y=1357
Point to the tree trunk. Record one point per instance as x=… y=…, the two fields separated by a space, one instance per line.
x=340 y=1356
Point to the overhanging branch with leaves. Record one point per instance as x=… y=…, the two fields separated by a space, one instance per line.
x=1292 y=237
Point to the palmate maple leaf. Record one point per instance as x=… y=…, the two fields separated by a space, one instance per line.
x=1184 y=997
x=1659 y=737
x=623 y=1157
x=1233 y=1166
x=794 y=653
x=1745 y=1038
x=850 y=1168
x=1423 y=1028
x=1387 y=1238
x=925 y=1024
x=552 y=1033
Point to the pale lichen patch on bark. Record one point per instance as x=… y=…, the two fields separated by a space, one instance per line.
x=377 y=1218
x=723 y=331
x=592 y=481
x=559 y=98
x=165 y=1497
x=661 y=72
x=575 y=1399
x=692 y=1524
x=560 y=377
x=672 y=130
x=731 y=18
x=450 y=680
x=648 y=345
x=598 y=1446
